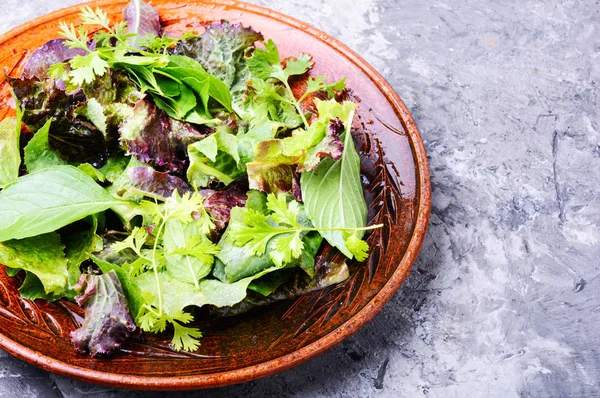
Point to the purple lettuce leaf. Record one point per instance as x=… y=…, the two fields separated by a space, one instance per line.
x=156 y=183
x=331 y=146
x=219 y=204
x=272 y=170
x=77 y=140
x=108 y=322
x=156 y=139
x=43 y=58
x=142 y=19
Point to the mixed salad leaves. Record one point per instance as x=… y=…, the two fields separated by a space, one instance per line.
x=145 y=175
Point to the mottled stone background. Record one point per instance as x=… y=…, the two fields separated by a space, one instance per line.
x=504 y=300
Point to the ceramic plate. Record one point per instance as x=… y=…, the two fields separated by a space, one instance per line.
x=282 y=335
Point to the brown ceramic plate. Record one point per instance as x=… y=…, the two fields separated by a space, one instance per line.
x=273 y=338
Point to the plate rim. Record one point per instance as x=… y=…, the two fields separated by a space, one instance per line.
x=348 y=328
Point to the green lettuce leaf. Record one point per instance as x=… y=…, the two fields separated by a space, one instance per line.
x=80 y=241
x=9 y=151
x=216 y=157
x=42 y=256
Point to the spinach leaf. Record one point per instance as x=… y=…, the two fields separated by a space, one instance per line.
x=333 y=193
x=193 y=74
x=9 y=151
x=48 y=200
x=41 y=255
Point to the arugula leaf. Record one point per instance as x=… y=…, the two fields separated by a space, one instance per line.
x=41 y=255
x=333 y=194
x=48 y=200
x=9 y=151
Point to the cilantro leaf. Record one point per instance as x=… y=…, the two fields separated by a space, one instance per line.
x=315 y=84
x=359 y=248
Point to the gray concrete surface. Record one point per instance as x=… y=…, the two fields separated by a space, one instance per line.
x=504 y=299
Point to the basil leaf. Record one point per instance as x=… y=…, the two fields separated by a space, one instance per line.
x=9 y=151
x=193 y=74
x=333 y=195
x=38 y=154
x=48 y=200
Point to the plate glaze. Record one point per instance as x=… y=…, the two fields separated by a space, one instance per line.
x=273 y=338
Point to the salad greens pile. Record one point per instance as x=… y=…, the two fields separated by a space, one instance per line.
x=146 y=175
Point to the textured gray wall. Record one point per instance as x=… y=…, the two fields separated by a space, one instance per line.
x=504 y=300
